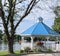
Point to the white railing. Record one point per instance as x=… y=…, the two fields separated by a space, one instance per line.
x=48 y=44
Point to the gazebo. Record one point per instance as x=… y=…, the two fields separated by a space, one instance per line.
x=39 y=29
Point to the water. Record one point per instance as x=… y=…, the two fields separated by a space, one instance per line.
x=17 y=46
x=4 y=46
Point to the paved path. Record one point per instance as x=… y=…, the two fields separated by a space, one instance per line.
x=42 y=54
x=45 y=54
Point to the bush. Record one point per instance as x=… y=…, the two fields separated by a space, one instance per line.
x=50 y=50
x=27 y=49
x=21 y=51
x=37 y=50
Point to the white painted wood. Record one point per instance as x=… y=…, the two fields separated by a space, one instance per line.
x=22 y=39
x=22 y=47
x=47 y=38
x=56 y=43
x=32 y=43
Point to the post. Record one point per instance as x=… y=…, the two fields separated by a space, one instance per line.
x=57 y=39
x=22 y=39
x=56 y=44
x=47 y=38
x=31 y=43
x=22 y=46
x=47 y=41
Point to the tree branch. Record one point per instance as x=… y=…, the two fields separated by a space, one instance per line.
x=20 y=2
x=29 y=8
x=34 y=3
x=3 y=19
x=10 y=9
x=12 y=18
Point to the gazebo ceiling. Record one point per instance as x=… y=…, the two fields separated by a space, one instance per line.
x=39 y=29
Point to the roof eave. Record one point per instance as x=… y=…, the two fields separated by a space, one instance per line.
x=28 y=35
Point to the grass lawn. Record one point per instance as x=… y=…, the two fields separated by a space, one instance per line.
x=5 y=53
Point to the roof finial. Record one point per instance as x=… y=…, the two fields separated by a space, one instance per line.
x=40 y=19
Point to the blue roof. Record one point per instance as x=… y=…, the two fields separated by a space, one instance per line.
x=39 y=29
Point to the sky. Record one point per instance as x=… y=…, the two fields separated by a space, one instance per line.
x=42 y=9
x=46 y=13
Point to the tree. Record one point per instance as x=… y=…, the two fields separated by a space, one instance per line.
x=9 y=11
x=57 y=11
x=17 y=38
x=4 y=37
x=56 y=25
x=0 y=34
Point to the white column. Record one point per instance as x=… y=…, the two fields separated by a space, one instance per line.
x=31 y=43
x=47 y=38
x=56 y=45
x=22 y=39
x=47 y=41
x=22 y=43
x=57 y=39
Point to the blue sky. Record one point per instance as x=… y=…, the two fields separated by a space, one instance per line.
x=46 y=13
x=40 y=10
x=48 y=19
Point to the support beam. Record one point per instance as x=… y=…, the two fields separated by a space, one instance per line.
x=32 y=43
x=47 y=38
x=22 y=39
x=57 y=39
x=22 y=46
x=56 y=44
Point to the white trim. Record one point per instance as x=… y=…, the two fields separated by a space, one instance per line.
x=27 y=35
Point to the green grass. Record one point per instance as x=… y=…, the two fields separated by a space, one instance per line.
x=17 y=52
x=5 y=53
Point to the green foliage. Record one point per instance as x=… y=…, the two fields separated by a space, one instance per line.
x=21 y=51
x=37 y=49
x=1 y=34
x=50 y=50
x=40 y=38
x=17 y=38
x=56 y=25
x=4 y=37
x=35 y=39
x=57 y=10
x=28 y=39
x=27 y=49
x=52 y=38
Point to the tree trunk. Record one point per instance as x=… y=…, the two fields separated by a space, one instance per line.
x=10 y=45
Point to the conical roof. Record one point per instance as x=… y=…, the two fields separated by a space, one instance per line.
x=39 y=28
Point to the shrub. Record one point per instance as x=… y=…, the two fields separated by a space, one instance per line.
x=27 y=49
x=50 y=50
x=37 y=50
x=21 y=51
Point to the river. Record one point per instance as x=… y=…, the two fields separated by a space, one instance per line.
x=4 y=46
x=17 y=46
